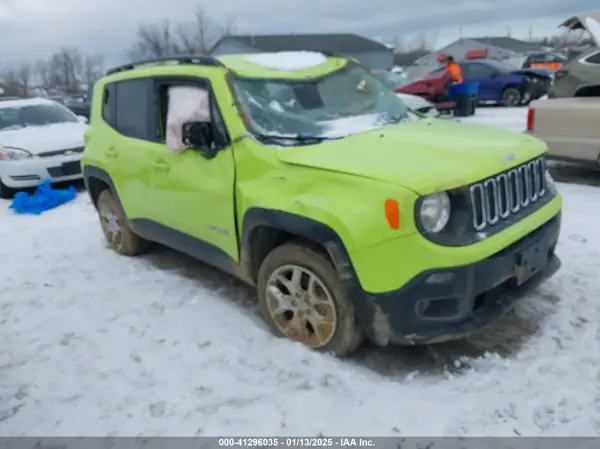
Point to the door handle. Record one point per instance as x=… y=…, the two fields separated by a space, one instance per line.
x=111 y=152
x=160 y=165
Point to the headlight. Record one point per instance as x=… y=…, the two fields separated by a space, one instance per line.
x=434 y=212
x=14 y=154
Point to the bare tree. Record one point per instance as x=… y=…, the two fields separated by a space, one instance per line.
x=24 y=73
x=229 y=28
x=155 y=41
x=65 y=69
x=10 y=81
x=93 y=68
x=198 y=36
x=43 y=73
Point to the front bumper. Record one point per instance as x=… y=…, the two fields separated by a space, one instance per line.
x=448 y=303
x=31 y=172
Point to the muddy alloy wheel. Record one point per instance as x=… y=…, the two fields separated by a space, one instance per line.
x=303 y=299
x=118 y=234
x=301 y=305
x=511 y=97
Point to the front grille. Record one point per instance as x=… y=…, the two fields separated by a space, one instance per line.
x=64 y=152
x=499 y=198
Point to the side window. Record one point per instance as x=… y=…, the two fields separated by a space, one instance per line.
x=134 y=103
x=180 y=103
x=593 y=59
x=480 y=71
x=108 y=105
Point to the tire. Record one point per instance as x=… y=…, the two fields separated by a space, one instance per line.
x=116 y=229
x=6 y=192
x=510 y=97
x=338 y=332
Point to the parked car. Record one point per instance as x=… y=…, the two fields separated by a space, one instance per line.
x=569 y=126
x=80 y=108
x=350 y=214
x=580 y=76
x=419 y=104
x=394 y=79
x=40 y=139
x=498 y=82
x=547 y=60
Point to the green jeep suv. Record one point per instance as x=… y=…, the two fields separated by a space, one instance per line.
x=308 y=178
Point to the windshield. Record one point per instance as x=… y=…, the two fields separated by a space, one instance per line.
x=343 y=102
x=393 y=80
x=34 y=115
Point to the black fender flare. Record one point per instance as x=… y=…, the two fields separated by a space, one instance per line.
x=89 y=171
x=325 y=236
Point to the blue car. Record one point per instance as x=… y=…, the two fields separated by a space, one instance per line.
x=509 y=86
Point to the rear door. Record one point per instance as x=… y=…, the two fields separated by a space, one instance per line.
x=127 y=145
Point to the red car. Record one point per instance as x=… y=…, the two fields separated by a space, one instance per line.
x=433 y=87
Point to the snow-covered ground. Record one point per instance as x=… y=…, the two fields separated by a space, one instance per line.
x=92 y=343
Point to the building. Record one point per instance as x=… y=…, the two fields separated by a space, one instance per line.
x=506 y=49
x=372 y=54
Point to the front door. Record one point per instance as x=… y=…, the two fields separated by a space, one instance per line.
x=483 y=75
x=192 y=196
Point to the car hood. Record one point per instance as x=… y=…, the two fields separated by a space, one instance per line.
x=589 y=21
x=42 y=139
x=425 y=156
x=414 y=102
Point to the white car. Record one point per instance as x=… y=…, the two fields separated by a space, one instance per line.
x=418 y=104
x=40 y=139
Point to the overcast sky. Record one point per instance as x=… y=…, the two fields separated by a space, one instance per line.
x=35 y=28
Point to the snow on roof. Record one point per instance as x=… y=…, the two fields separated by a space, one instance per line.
x=23 y=102
x=288 y=60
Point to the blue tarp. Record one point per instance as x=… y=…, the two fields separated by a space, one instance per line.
x=43 y=199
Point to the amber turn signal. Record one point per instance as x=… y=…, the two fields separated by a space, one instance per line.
x=392 y=213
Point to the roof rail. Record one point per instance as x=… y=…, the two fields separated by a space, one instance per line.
x=199 y=60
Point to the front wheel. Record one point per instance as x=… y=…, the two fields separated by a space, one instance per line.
x=119 y=235
x=302 y=298
x=511 y=96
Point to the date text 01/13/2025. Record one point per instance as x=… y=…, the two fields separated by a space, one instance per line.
x=293 y=442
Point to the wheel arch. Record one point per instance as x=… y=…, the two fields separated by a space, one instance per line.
x=96 y=180
x=262 y=231
x=265 y=229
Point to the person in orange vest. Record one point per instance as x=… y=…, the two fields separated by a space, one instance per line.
x=454 y=70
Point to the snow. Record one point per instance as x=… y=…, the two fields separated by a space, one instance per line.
x=288 y=60
x=92 y=343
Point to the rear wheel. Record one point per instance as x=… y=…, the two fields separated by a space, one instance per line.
x=302 y=298
x=511 y=96
x=114 y=224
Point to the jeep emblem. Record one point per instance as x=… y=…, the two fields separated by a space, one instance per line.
x=509 y=157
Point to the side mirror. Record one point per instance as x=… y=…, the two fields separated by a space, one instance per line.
x=82 y=118
x=199 y=136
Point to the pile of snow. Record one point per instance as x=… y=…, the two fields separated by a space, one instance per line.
x=288 y=60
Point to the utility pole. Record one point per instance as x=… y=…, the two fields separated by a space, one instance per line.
x=460 y=32
x=530 y=33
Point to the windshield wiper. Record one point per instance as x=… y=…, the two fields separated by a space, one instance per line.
x=302 y=139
